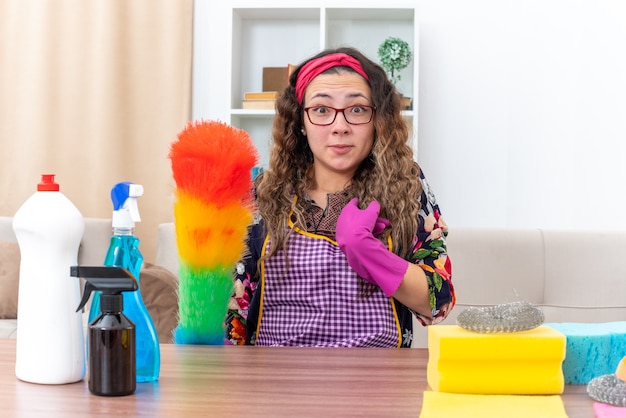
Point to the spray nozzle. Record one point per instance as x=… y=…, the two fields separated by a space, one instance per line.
x=125 y=210
x=111 y=281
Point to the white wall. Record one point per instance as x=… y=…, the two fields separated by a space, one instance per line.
x=522 y=118
x=522 y=107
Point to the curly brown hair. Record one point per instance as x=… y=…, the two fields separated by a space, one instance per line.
x=389 y=175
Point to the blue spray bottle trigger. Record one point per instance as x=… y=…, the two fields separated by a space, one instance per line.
x=124 y=198
x=119 y=194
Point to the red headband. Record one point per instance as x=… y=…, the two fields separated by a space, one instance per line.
x=315 y=67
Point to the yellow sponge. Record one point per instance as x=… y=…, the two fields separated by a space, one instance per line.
x=517 y=363
x=439 y=404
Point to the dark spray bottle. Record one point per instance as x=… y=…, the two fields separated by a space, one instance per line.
x=111 y=358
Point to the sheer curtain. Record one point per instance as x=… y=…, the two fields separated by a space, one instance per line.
x=95 y=92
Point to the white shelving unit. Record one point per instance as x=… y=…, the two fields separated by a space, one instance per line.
x=232 y=44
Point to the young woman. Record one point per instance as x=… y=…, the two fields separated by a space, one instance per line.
x=350 y=241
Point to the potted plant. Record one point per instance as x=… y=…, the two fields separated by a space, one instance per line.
x=395 y=55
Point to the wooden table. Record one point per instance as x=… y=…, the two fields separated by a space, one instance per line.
x=251 y=381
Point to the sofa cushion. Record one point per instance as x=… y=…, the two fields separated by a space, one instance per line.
x=8 y=328
x=497 y=265
x=491 y=266
x=592 y=263
x=9 y=279
x=6 y=229
x=159 y=291
x=167 y=248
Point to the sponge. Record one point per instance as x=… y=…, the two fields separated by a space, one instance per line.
x=439 y=404
x=610 y=388
x=620 y=372
x=603 y=410
x=517 y=363
x=592 y=349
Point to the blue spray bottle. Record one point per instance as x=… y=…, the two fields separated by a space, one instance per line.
x=124 y=252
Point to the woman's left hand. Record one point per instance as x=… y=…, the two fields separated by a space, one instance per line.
x=355 y=233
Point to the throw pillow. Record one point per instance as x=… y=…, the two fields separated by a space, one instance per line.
x=9 y=278
x=159 y=291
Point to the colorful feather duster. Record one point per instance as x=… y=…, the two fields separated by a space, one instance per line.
x=211 y=164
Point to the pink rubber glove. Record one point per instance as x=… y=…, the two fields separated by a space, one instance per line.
x=367 y=255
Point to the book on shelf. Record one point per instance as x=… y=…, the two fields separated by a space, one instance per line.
x=276 y=78
x=260 y=95
x=290 y=68
x=258 y=104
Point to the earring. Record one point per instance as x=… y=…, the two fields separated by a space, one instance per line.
x=302 y=131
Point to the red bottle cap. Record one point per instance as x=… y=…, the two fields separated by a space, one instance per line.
x=47 y=184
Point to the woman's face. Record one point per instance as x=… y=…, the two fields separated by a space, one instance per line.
x=340 y=147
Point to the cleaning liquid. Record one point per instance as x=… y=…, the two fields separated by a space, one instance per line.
x=50 y=342
x=124 y=252
x=112 y=370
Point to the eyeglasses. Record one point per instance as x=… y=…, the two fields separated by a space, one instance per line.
x=325 y=115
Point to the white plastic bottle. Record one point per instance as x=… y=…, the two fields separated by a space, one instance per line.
x=50 y=341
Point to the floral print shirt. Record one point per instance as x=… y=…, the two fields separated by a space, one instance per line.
x=429 y=253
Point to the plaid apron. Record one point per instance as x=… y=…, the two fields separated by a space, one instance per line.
x=320 y=300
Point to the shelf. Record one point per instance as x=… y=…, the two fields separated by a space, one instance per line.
x=372 y=13
x=280 y=33
x=253 y=112
x=275 y=13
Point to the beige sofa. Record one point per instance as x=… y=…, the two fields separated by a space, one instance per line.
x=158 y=286
x=92 y=250
x=574 y=276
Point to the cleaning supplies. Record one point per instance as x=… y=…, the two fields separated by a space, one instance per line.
x=510 y=363
x=211 y=163
x=505 y=317
x=620 y=371
x=593 y=349
x=441 y=404
x=50 y=341
x=112 y=369
x=610 y=388
x=124 y=252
